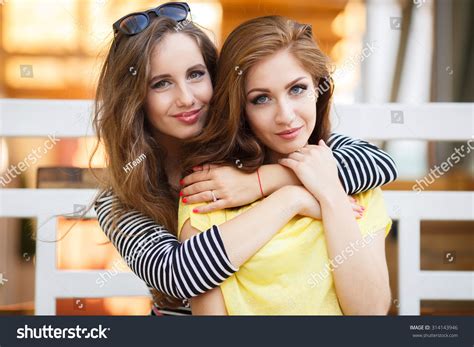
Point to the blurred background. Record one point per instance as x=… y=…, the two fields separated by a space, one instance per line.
x=384 y=51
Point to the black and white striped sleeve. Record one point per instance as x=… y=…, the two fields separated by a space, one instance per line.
x=362 y=165
x=181 y=270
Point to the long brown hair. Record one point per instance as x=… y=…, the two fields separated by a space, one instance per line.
x=121 y=124
x=227 y=135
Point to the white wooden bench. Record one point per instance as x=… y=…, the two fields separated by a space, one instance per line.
x=71 y=118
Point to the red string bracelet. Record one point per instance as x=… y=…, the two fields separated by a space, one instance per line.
x=260 y=184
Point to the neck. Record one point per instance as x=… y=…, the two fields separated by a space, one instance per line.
x=274 y=156
x=173 y=148
x=172 y=145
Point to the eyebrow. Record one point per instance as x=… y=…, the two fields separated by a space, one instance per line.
x=158 y=77
x=268 y=90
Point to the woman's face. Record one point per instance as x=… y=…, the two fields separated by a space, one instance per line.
x=279 y=106
x=179 y=87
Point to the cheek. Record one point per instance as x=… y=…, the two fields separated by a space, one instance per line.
x=203 y=91
x=156 y=106
x=259 y=124
x=307 y=111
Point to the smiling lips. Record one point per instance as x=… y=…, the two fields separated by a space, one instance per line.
x=290 y=134
x=190 y=117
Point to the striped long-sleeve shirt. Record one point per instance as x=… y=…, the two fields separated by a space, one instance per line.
x=187 y=269
x=362 y=165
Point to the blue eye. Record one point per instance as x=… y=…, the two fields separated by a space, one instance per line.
x=161 y=84
x=261 y=99
x=298 y=89
x=196 y=74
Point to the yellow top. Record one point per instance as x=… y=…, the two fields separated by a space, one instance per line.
x=291 y=274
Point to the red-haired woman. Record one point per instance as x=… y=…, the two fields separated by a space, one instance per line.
x=275 y=111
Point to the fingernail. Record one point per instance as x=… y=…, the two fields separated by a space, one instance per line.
x=181 y=182
x=185 y=201
x=195 y=210
x=181 y=193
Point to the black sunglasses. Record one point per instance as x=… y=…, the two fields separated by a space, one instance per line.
x=136 y=22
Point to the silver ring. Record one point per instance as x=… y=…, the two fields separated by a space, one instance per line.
x=214 y=199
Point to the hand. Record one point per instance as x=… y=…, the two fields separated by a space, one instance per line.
x=316 y=168
x=358 y=209
x=232 y=187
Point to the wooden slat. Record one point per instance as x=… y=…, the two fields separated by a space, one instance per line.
x=34 y=118
x=430 y=121
x=27 y=118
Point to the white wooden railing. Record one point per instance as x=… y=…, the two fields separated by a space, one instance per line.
x=71 y=118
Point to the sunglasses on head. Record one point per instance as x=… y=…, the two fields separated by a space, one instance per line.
x=136 y=22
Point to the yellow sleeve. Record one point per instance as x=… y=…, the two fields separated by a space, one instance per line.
x=200 y=221
x=185 y=212
x=375 y=215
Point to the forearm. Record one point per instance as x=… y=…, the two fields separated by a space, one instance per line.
x=244 y=235
x=361 y=165
x=210 y=303
x=276 y=176
x=156 y=256
x=361 y=281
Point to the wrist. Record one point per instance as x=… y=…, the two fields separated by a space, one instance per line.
x=291 y=199
x=253 y=188
x=275 y=176
x=333 y=198
x=260 y=186
x=266 y=180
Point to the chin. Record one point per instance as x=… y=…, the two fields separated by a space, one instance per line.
x=285 y=150
x=190 y=134
x=295 y=146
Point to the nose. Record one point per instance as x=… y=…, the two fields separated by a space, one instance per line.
x=185 y=97
x=285 y=113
